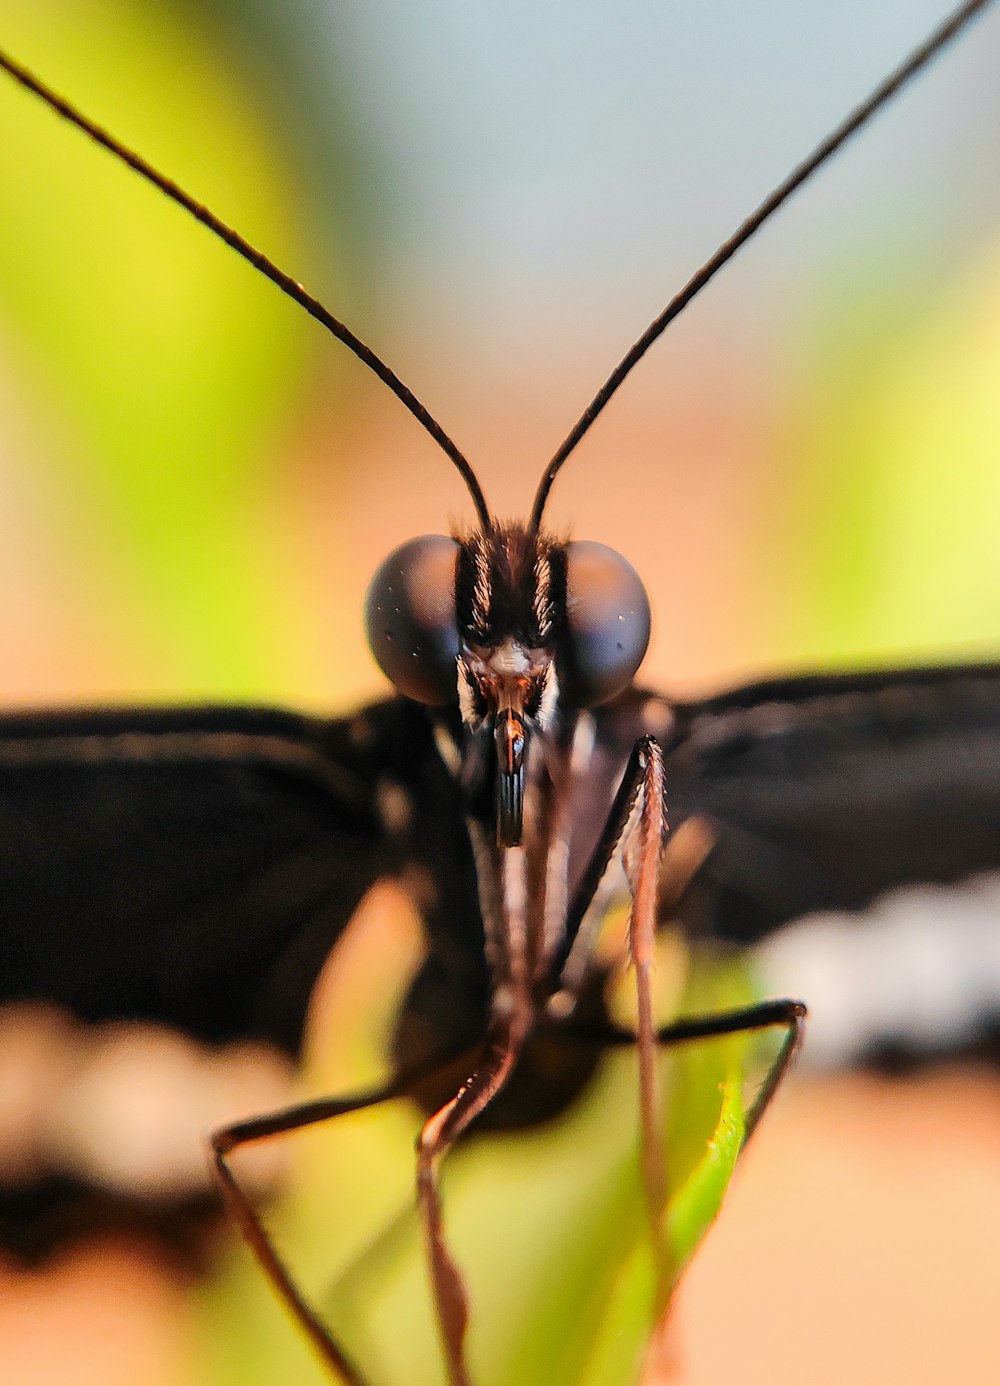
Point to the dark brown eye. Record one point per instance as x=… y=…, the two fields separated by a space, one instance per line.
x=410 y=619
x=607 y=624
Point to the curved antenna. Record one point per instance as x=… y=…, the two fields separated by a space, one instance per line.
x=260 y=261
x=802 y=172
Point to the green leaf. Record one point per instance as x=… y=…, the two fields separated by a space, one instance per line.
x=550 y=1224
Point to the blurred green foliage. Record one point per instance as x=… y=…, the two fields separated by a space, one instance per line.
x=161 y=375
x=894 y=487
x=549 y=1225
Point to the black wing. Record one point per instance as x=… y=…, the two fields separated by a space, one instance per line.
x=827 y=791
x=194 y=867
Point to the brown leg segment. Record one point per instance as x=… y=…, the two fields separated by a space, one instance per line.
x=786 y=1014
x=440 y=1132
x=643 y=849
x=228 y=1139
x=636 y=828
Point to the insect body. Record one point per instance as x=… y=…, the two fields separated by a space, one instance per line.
x=533 y=767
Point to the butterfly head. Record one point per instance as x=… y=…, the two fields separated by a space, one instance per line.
x=513 y=625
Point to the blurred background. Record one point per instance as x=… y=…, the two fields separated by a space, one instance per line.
x=196 y=484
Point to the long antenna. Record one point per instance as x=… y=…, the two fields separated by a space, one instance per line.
x=799 y=175
x=261 y=262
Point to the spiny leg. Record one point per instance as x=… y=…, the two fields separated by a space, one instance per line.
x=784 y=1013
x=655 y=866
x=440 y=1132
x=635 y=828
x=659 y=870
x=224 y=1141
x=642 y=850
x=682 y=855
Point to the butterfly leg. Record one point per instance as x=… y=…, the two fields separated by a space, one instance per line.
x=785 y=1013
x=642 y=853
x=658 y=870
x=224 y=1141
x=634 y=832
x=680 y=857
x=440 y=1132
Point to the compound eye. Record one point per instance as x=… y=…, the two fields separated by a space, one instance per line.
x=410 y=619
x=607 y=624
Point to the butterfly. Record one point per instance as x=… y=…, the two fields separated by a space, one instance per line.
x=271 y=827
